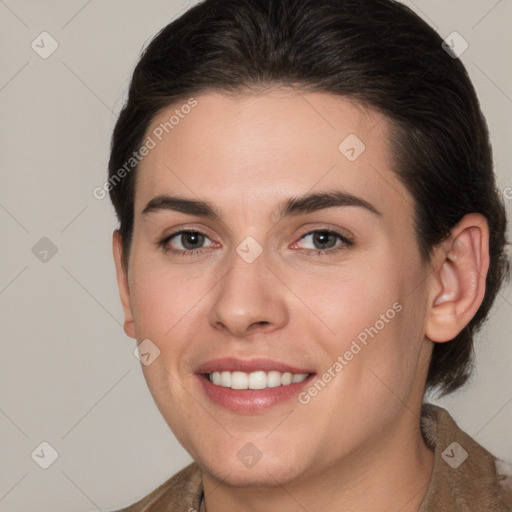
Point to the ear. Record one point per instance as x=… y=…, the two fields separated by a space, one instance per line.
x=457 y=284
x=122 y=284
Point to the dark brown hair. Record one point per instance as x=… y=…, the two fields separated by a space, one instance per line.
x=377 y=52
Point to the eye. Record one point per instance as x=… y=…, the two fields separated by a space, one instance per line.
x=185 y=242
x=324 y=240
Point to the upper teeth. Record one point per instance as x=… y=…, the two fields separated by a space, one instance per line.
x=255 y=380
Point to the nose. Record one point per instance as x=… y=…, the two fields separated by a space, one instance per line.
x=249 y=298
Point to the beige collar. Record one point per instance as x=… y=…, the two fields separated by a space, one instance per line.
x=464 y=476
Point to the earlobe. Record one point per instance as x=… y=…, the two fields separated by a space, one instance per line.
x=122 y=284
x=458 y=281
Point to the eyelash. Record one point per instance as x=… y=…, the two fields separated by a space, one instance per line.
x=314 y=252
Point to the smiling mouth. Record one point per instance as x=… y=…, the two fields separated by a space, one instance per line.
x=255 y=380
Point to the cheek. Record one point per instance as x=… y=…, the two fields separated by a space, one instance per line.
x=368 y=312
x=347 y=299
x=162 y=297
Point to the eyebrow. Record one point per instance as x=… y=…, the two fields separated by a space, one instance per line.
x=308 y=203
x=321 y=200
x=181 y=204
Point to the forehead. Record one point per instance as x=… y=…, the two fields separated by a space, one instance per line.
x=253 y=150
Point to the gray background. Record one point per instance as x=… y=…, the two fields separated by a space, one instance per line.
x=68 y=375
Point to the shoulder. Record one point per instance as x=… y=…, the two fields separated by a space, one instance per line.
x=181 y=492
x=465 y=476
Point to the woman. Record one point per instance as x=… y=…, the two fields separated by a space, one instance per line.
x=310 y=236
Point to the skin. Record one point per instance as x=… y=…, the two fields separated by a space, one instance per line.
x=357 y=444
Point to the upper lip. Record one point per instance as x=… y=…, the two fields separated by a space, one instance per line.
x=231 y=364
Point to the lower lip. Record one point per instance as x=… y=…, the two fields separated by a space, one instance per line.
x=251 y=400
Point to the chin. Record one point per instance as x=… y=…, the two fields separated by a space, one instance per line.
x=251 y=467
x=260 y=475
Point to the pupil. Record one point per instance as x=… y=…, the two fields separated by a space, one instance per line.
x=324 y=239
x=192 y=240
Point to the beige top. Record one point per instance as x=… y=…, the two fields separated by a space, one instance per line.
x=466 y=477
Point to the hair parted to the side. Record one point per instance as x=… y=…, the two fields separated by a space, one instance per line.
x=377 y=52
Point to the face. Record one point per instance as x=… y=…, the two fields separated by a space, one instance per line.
x=272 y=237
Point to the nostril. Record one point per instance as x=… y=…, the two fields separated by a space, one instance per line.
x=263 y=322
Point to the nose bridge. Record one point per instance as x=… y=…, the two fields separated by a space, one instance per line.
x=249 y=293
